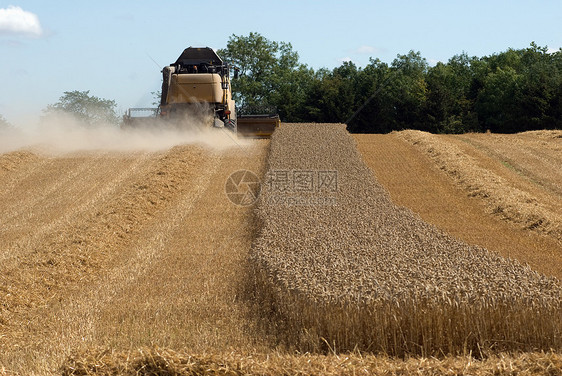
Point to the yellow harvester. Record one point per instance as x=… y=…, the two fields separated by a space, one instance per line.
x=196 y=89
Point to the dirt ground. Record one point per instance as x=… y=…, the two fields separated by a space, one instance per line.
x=122 y=250
x=418 y=182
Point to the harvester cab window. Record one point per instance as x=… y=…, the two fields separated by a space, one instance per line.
x=187 y=69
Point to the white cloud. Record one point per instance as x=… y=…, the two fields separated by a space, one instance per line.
x=552 y=50
x=366 y=50
x=14 y=20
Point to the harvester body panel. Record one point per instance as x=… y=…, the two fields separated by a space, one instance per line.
x=196 y=88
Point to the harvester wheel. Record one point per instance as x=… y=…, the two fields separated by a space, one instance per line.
x=230 y=124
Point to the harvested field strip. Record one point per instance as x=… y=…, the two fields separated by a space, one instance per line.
x=198 y=270
x=507 y=198
x=62 y=206
x=15 y=161
x=67 y=170
x=536 y=155
x=166 y=362
x=362 y=273
x=143 y=254
x=69 y=257
x=155 y=256
x=414 y=181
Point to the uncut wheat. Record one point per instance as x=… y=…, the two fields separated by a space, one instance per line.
x=348 y=269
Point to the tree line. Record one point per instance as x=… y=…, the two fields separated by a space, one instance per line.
x=511 y=91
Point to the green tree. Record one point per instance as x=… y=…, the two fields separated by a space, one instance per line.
x=518 y=90
x=448 y=107
x=268 y=72
x=313 y=109
x=497 y=101
x=373 y=110
x=409 y=90
x=89 y=110
x=336 y=93
x=540 y=83
x=290 y=93
x=554 y=112
x=156 y=97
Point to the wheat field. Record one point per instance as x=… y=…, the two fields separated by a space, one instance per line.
x=136 y=262
x=365 y=274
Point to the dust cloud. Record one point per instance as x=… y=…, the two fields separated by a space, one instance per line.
x=63 y=133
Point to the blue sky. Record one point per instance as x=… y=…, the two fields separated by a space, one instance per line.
x=116 y=48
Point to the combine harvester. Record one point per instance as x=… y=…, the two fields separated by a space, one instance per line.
x=196 y=92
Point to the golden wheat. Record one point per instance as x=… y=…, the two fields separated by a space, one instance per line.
x=364 y=273
x=155 y=361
